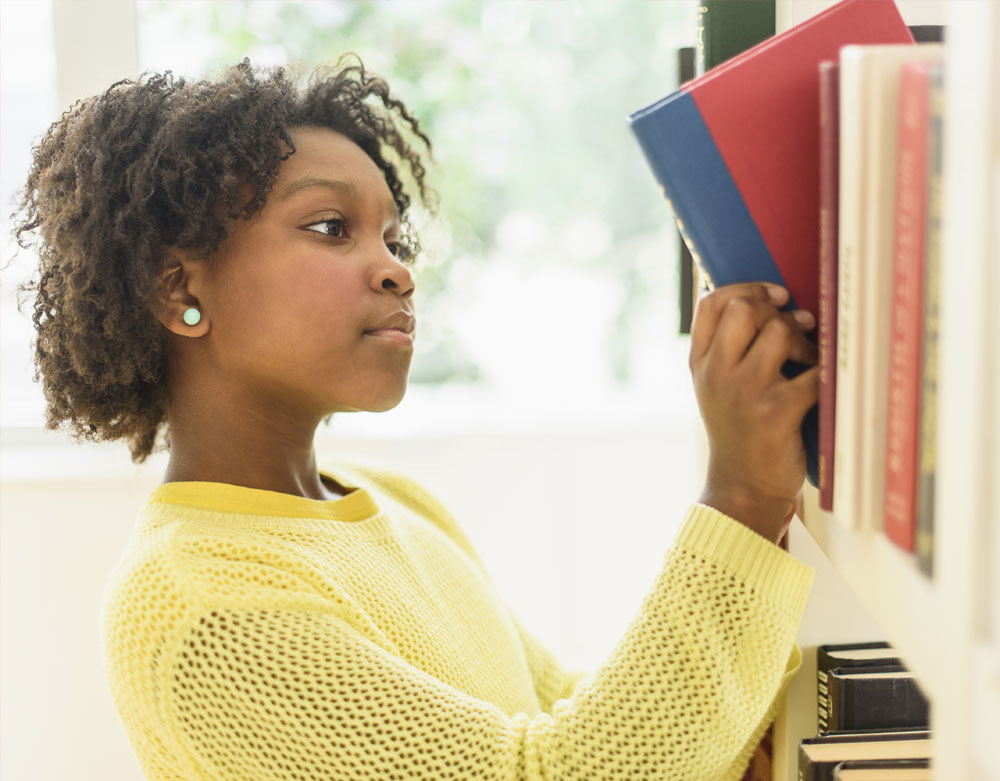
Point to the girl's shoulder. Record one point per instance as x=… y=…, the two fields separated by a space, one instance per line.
x=404 y=490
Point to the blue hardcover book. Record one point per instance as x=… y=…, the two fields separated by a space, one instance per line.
x=736 y=155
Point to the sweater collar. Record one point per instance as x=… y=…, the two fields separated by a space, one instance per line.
x=357 y=505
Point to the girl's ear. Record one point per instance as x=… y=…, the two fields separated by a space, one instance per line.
x=175 y=304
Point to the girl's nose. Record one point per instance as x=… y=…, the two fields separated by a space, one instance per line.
x=393 y=276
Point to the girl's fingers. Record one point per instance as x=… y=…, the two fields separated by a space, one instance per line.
x=804 y=389
x=712 y=307
x=745 y=323
x=780 y=340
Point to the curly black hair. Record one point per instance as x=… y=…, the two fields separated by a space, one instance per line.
x=165 y=162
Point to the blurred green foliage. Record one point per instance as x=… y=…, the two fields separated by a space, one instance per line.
x=525 y=103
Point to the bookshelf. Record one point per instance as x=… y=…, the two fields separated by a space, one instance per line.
x=947 y=629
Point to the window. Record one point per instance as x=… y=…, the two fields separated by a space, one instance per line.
x=547 y=293
x=28 y=107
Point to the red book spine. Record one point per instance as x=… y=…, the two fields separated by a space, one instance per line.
x=907 y=306
x=829 y=172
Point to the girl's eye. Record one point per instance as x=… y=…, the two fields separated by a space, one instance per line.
x=401 y=250
x=326 y=231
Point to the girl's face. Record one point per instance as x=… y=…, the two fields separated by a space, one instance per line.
x=295 y=291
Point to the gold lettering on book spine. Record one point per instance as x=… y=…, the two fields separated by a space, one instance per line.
x=843 y=307
x=904 y=256
x=825 y=239
x=687 y=240
x=700 y=44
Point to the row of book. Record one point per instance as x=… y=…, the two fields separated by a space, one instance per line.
x=870 y=708
x=813 y=160
x=879 y=275
x=874 y=721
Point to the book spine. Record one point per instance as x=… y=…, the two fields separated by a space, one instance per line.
x=851 y=205
x=687 y=270
x=907 y=308
x=883 y=69
x=728 y=27
x=829 y=106
x=927 y=443
x=875 y=294
x=877 y=703
x=702 y=12
x=836 y=712
x=699 y=190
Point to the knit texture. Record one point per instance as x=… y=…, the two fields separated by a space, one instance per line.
x=250 y=634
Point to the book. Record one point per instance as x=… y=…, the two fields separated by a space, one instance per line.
x=742 y=186
x=728 y=27
x=928 y=33
x=927 y=440
x=687 y=290
x=883 y=770
x=832 y=656
x=869 y=94
x=829 y=174
x=819 y=756
x=725 y=29
x=907 y=307
x=876 y=697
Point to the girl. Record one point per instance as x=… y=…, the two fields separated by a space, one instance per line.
x=226 y=264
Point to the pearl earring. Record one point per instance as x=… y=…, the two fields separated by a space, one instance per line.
x=192 y=316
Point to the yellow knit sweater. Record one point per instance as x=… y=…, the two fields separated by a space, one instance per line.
x=251 y=634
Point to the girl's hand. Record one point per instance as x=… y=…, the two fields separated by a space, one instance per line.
x=752 y=413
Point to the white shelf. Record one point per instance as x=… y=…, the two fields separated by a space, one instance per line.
x=945 y=628
x=886 y=581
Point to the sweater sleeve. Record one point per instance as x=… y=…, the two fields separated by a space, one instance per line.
x=302 y=693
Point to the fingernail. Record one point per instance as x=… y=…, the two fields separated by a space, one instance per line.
x=804 y=318
x=778 y=294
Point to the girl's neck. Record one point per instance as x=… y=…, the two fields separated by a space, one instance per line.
x=234 y=445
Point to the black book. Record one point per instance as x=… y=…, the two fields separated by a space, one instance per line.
x=883 y=770
x=928 y=33
x=843 y=655
x=876 y=698
x=819 y=756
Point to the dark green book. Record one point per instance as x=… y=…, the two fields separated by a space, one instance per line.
x=725 y=28
x=686 y=291
x=728 y=27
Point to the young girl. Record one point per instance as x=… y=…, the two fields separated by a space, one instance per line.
x=227 y=263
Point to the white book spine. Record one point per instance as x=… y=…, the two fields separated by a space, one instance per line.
x=851 y=211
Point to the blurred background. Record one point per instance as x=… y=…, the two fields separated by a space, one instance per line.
x=550 y=404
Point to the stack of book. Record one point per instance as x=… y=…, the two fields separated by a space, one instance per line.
x=872 y=717
x=813 y=160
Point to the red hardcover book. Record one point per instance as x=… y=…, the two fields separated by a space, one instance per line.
x=735 y=152
x=907 y=305
x=829 y=193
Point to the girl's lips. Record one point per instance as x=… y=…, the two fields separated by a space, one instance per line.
x=392 y=334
